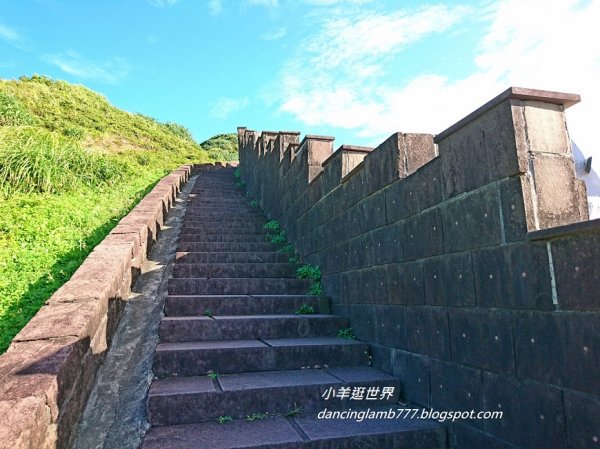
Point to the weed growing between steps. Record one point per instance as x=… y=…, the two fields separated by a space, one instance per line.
x=305 y=309
x=71 y=166
x=347 y=334
x=276 y=236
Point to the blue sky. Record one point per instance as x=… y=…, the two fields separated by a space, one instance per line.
x=355 y=69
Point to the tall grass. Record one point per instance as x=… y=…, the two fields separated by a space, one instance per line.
x=34 y=160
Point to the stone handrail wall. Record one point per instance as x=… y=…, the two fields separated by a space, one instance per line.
x=464 y=258
x=48 y=371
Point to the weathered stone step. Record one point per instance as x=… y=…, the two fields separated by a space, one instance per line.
x=199 y=399
x=223 y=237
x=231 y=257
x=246 y=327
x=225 y=226
x=225 y=247
x=239 y=221
x=222 y=231
x=234 y=270
x=243 y=305
x=228 y=214
x=238 y=356
x=238 y=286
x=283 y=433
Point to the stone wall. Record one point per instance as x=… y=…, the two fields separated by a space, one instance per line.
x=48 y=371
x=465 y=259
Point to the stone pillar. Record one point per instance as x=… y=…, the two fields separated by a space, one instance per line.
x=520 y=133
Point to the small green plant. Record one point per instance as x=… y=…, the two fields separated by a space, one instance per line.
x=347 y=334
x=287 y=249
x=294 y=412
x=257 y=416
x=316 y=289
x=240 y=184
x=237 y=174
x=305 y=309
x=213 y=374
x=224 y=419
x=253 y=203
x=208 y=313
x=309 y=272
x=272 y=227
x=294 y=259
x=278 y=238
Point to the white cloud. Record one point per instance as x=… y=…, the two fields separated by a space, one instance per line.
x=274 y=35
x=162 y=3
x=13 y=37
x=71 y=62
x=266 y=3
x=226 y=106
x=215 y=7
x=336 y=79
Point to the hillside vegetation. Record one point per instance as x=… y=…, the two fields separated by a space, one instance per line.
x=71 y=166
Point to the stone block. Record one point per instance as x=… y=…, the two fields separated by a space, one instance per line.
x=483 y=151
x=372 y=212
x=423 y=236
x=390 y=326
x=542 y=412
x=449 y=280
x=546 y=129
x=556 y=191
x=468 y=437
x=472 y=221
x=514 y=276
x=24 y=423
x=559 y=348
x=387 y=244
x=576 y=270
x=414 y=372
x=419 y=150
x=517 y=208
x=428 y=331
x=583 y=416
x=482 y=338
x=405 y=283
x=456 y=387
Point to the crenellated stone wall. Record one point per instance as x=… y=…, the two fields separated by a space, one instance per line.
x=465 y=259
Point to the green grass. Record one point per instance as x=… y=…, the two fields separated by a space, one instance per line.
x=71 y=166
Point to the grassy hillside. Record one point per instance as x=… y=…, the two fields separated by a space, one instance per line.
x=71 y=165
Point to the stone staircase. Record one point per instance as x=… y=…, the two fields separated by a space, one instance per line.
x=236 y=367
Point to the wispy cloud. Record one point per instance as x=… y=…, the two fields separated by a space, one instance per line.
x=266 y=3
x=111 y=72
x=335 y=76
x=343 y=80
x=226 y=106
x=274 y=35
x=215 y=7
x=162 y=3
x=12 y=36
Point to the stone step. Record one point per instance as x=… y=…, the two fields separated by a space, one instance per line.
x=231 y=257
x=238 y=356
x=243 y=305
x=234 y=270
x=199 y=399
x=238 y=286
x=248 y=224
x=216 y=222
x=306 y=431
x=224 y=215
x=246 y=327
x=226 y=247
x=223 y=237
x=222 y=231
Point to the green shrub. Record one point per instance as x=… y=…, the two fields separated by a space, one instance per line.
x=309 y=272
